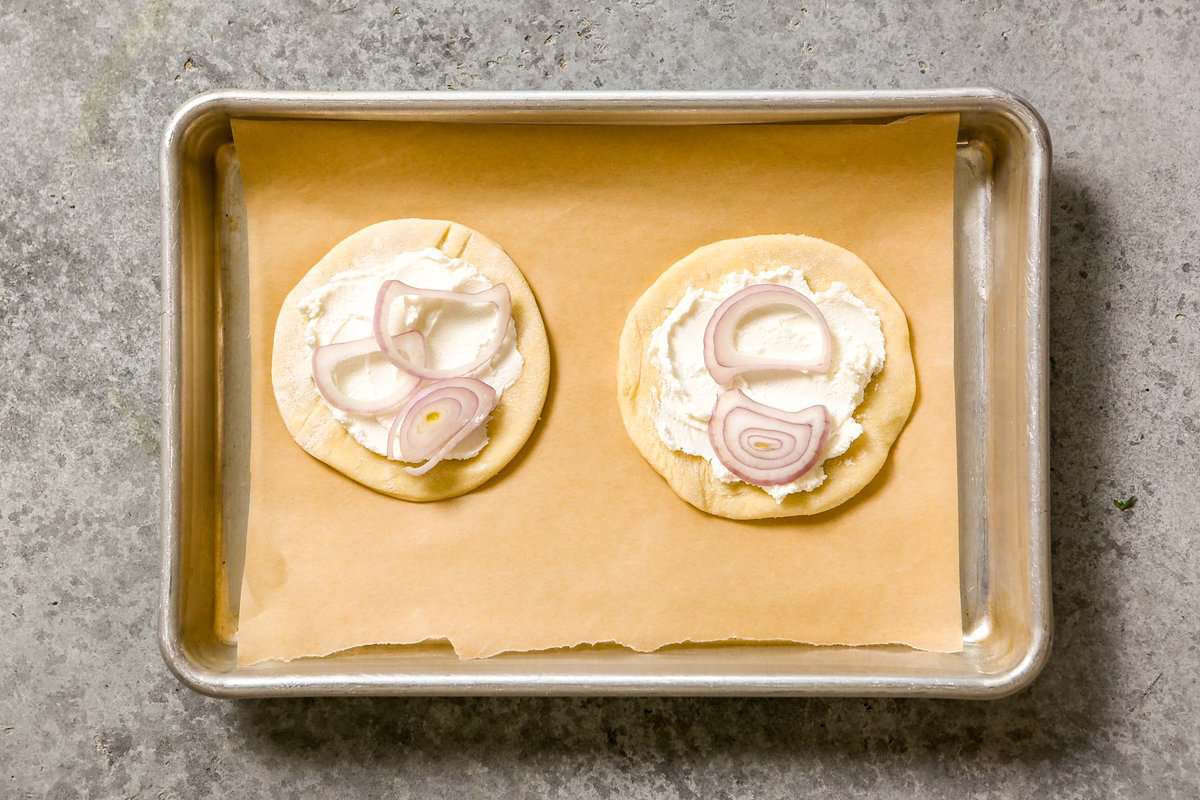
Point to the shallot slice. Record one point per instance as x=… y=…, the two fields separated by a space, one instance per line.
x=763 y=445
x=721 y=356
x=391 y=290
x=437 y=419
x=326 y=359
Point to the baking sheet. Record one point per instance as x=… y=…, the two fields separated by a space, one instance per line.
x=579 y=540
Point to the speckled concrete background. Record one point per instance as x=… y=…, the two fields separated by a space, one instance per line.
x=88 y=710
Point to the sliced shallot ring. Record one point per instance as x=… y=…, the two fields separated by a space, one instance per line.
x=461 y=406
x=721 y=356
x=390 y=290
x=327 y=357
x=737 y=421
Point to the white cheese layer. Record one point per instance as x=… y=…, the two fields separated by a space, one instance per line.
x=687 y=393
x=342 y=309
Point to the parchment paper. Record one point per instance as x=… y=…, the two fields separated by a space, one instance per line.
x=579 y=540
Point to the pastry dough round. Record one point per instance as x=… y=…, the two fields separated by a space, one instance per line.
x=887 y=402
x=312 y=425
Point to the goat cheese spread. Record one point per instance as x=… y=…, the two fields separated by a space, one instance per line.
x=342 y=310
x=687 y=393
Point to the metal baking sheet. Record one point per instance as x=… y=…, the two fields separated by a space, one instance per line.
x=1000 y=357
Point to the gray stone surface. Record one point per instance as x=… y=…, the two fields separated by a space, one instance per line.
x=88 y=710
